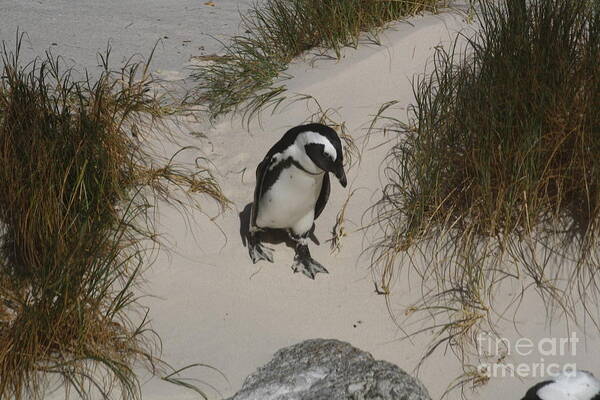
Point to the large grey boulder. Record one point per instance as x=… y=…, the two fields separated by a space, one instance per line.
x=322 y=369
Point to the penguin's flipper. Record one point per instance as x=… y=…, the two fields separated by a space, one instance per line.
x=261 y=171
x=323 y=196
x=305 y=263
x=256 y=250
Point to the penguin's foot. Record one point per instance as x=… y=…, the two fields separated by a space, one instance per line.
x=259 y=252
x=308 y=266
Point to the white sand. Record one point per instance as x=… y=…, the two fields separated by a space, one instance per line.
x=216 y=307
x=212 y=304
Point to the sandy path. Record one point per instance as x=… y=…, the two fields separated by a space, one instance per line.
x=218 y=308
x=233 y=315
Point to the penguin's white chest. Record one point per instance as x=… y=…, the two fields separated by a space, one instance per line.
x=290 y=202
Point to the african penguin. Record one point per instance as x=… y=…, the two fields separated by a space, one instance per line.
x=292 y=188
x=576 y=385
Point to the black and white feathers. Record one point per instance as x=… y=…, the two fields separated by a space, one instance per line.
x=292 y=189
x=293 y=178
x=576 y=385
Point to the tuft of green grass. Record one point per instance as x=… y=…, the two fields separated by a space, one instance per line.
x=77 y=191
x=496 y=177
x=277 y=31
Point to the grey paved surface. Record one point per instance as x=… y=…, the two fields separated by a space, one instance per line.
x=79 y=29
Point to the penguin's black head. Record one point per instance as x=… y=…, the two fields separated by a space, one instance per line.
x=325 y=150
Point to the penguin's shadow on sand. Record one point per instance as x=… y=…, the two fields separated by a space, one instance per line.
x=268 y=235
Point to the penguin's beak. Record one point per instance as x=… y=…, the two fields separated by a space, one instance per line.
x=341 y=175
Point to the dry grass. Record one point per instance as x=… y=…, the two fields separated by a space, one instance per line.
x=277 y=31
x=496 y=177
x=77 y=192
